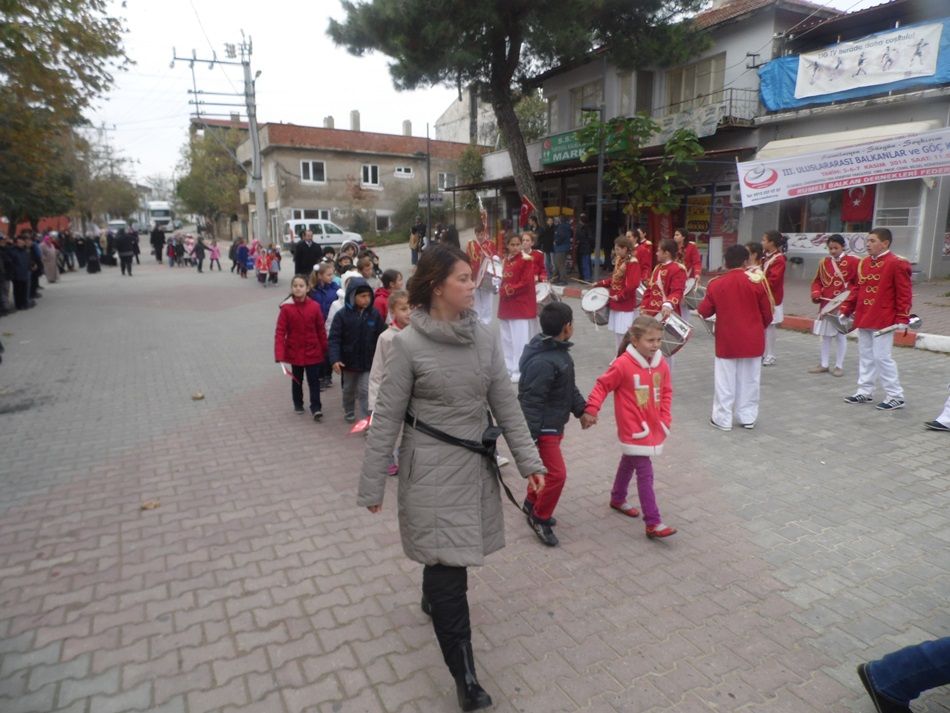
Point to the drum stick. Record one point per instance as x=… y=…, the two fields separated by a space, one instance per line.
x=584 y=282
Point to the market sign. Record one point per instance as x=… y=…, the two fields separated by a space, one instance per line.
x=895 y=159
x=561 y=148
x=879 y=59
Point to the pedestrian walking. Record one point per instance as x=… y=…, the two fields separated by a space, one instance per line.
x=942 y=422
x=773 y=265
x=136 y=249
x=300 y=344
x=199 y=251
x=900 y=677
x=157 y=239
x=836 y=273
x=273 y=264
x=644 y=252
x=517 y=305
x=391 y=282
x=562 y=246
x=242 y=258
x=622 y=285
x=214 y=256
x=584 y=246
x=232 y=254
x=445 y=374
x=548 y=396
x=353 y=336
x=639 y=379
x=123 y=245
x=546 y=244
x=48 y=253
x=398 y=308
x=306 y=254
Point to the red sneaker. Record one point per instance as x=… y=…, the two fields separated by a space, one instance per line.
x=626 y=508
x=660 y=530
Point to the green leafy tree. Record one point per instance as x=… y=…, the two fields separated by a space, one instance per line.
x=56 y=56
x=497 y=44
x=470 y=170
x=655 y=185
x=211 y=179
x=532 y=112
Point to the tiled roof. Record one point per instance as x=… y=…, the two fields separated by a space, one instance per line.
x=737 y=8
x=359 y=141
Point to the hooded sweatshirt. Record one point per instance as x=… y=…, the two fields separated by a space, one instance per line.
x=546 y=391
x=354 y=332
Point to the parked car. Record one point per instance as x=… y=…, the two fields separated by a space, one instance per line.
x=325 y=232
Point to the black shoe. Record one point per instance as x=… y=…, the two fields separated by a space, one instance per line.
x=317 y=415
x=299 y=410
x=528 y=509
x=858 y=399
x=882 y=703
x=425 y=606
x=936 y=426
x=471 y=695
x=542 y=528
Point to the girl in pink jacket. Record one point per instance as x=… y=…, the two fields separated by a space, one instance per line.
x=640 y=380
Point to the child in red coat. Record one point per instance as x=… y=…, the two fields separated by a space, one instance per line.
x=640 y=380
x=623 y=284
x=517 y=305
x=300 y=343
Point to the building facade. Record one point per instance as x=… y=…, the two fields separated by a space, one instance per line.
x=357 y=179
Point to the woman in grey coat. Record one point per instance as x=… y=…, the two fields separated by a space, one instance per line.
x=447 y=370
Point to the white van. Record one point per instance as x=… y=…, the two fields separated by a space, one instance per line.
x=324 y=233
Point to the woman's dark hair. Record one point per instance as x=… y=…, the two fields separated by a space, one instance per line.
x=389 y=277
x=291 y=294
x=755 y=249
x=836 y=238
x=435 y=265
x=777 y=239
x=682 y=231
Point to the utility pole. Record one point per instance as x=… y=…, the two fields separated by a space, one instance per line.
x=428 y=188
x=255 y=177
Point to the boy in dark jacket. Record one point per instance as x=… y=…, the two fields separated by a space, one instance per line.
x=353 y=337
x=548 y=397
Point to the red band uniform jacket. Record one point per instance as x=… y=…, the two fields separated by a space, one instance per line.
x=883 y=293
x=516 y=298
x=740 y=301
x=666 y=285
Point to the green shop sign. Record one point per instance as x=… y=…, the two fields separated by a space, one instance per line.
x=561 y=148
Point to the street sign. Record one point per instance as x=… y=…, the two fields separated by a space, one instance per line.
x=435 y=198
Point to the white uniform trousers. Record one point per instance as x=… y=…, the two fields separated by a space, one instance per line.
x=876 y=363
x=737 y=391
x=485 y=305
x=515 y=335
x=944 y=417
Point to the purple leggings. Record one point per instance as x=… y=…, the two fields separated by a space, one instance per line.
x=644 y=471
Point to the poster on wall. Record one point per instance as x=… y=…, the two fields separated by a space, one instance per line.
x=896 y=159
x=880 y=59
x=817 y=243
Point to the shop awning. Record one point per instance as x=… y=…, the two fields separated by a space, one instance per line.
x=840 y=139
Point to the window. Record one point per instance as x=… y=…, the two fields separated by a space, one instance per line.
x=644 y=103
x=296 y=214
x=697 y=84
x=313 y=172
x=382 y=223
x=446 y=180
x=554 y=120
x=589 y=95
x=310 y=214
x=332 y=229
x=370 y=176
x=403 y=171
x=625 y=93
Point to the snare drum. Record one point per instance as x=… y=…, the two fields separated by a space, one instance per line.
x=695 y=295
x=544 y=295
x=596 y=305
x=676 y=331
x=489 y=272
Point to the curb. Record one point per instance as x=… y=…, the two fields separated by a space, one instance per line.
x=913 y=340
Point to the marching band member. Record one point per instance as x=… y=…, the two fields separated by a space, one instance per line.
x=688 y=256
x=517 y=305
x=480 y=251
x=644 y=252
x=773 y=265
x=754 y=263
x=942 y=422
x=623 y=284
x=740 y=301
x=836 y=273
x=527 y=245
x=881 y=298
x=664 y=292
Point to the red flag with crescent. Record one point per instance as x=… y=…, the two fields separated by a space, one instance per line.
x=857 y=204
x=527 y=209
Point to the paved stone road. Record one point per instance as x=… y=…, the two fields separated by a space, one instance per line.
x=816 y=541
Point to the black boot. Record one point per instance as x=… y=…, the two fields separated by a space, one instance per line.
x=471 y=695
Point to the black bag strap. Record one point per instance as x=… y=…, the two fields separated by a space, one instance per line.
x=486 y=448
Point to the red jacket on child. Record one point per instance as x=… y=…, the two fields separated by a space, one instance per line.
x=301 y=335
x=740 y=301
x=644 y=254
x=643 y=394
x=833 y=277
x=381 y=302
x=883 y=294
x=540 y=272
x=774 y=268
x=666 y=286
x=516 y=298
x=623 y=286
x=690 y=259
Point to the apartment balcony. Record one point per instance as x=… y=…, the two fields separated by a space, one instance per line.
x=730 y=107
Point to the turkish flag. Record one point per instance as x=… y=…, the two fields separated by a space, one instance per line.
x=527 y=209
x=857 y=204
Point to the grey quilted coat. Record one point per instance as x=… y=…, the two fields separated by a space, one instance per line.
x=448 y=374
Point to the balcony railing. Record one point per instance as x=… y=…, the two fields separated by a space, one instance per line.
x=738 y=106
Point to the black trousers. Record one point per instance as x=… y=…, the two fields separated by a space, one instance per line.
x=446 y=590
x=211 y=263
x=313 y=384
x=125 y=261
x=21 y=294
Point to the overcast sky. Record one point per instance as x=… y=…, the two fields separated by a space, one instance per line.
x=304 y=76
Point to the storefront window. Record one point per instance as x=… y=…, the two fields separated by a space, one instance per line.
x=822 y=213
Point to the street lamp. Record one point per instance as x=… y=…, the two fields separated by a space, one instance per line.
x=598 y=229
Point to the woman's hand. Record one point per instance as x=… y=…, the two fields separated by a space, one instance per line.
x=338 y=367
x=374 y=508
x=536 y=482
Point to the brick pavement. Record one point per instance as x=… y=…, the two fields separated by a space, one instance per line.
x=805 y=546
